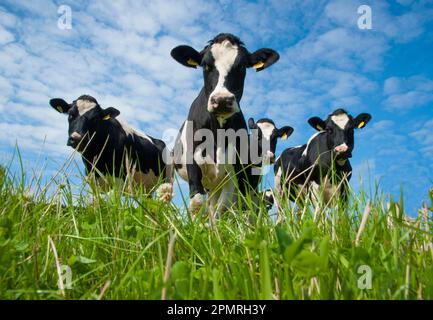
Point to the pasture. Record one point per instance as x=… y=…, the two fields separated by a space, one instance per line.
x=134 y=247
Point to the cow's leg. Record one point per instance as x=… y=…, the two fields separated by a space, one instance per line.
x=224 y=199
x=196 y=191
x=278 y=194
x=268 y=198
x=213 y=205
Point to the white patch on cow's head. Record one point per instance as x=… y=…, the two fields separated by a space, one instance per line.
x=224 y=55
x=84 y=106
x=340 y=120
x=267 y=128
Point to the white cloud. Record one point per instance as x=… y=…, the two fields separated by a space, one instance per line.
x=404 y=94
x=6 y=19
x=423 y=134
x=5 y=36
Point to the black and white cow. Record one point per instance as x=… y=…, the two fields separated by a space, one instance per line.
x=224 y=62
x=263 y=138
x=112 y=147
x=322 y=162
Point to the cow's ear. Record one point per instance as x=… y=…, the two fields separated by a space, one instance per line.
x=362 y=120
x=284 y=132
x=60 y=105
x=263 y=58
x=109 y=113
x=187 y=56
x=251 y=124
x=317 y=123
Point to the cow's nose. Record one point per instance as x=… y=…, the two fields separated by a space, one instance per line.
x=74 y=139
x=222 y=102
x=341 y=148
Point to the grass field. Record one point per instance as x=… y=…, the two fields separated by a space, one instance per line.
x=132 y=247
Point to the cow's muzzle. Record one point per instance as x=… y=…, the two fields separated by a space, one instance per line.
x=223 y=104
x=342 y=148
x=74 y=139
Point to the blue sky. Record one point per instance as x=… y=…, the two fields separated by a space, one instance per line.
x=119 y=52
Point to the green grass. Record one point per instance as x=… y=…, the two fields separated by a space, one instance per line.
x=118 y=247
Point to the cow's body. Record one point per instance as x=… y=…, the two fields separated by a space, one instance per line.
x=224 y=62
x=321 y=167
x=110 y=147
x=296 y=170
x=215 y=175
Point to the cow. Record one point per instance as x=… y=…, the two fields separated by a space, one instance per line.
x=263 y=139
x=110 y=147
x=322 y=165
x=224 y=62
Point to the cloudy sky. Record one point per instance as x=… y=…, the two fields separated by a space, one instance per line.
x=119 y=52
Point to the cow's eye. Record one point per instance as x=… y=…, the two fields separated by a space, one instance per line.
x=70 y=117
x=330 y=130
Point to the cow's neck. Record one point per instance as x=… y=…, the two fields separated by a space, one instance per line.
x=327 y=158
x=317 y=152
x=103 y=140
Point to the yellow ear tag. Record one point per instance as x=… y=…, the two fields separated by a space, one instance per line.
x=60 y=109
x=319 y=128
x=191 y=62
x=284 y=136
x=361 y=125
x=258 y=65
x=107 y=117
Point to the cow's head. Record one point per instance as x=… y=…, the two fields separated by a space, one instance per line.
x=339 y=128
x=224 y=62
x=85 y=116
x=266 y=135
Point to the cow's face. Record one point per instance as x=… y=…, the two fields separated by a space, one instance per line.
x=85 y=117
x=266 y=136
x=224 y=62
x=339 y=128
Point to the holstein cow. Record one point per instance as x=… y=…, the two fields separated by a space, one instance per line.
x=112 y=147
x=263 y=138
x=321 y=165
x=224 y=62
